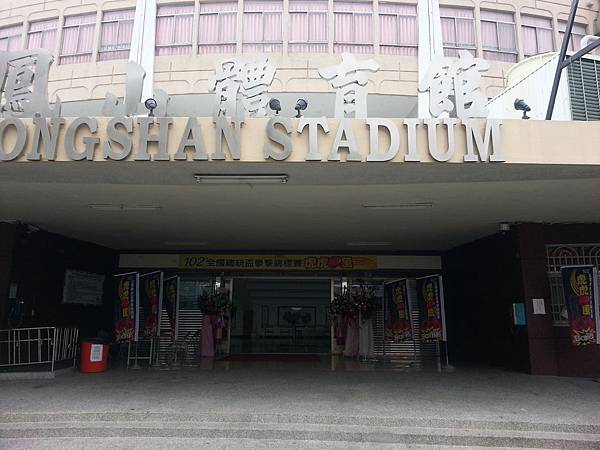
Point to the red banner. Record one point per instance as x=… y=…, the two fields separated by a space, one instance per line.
x=581 y=299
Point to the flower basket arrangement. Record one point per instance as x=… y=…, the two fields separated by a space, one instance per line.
x=215 y=303
x=348 y=307
x=363 y=303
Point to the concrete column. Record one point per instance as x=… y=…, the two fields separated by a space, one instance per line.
x=97 y=35
x=518 y=31
x=376 y=27
x=285 y=23
x=331 y=26
x=143 y=42
x=7 y=246
x=59 y=36
x=239 y=26
x=195 y=27
x=478 y=34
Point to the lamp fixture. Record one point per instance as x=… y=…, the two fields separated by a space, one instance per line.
x=121 y=207
x=520 y=105
x=241 y=178
x=150 y=105
x=401 y=206
x=275 y=105
x=189 y=244
x=369 y=244
x=301 y=105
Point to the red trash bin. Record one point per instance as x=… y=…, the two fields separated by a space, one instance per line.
x=94 y=357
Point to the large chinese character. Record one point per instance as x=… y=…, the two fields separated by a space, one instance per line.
x=226 y=84
x=257 y=77
x=462 y=74
x=24 y=83
x=131 y=104
x=438 y=81
x=470 y=101
x=240 y=87
x=349 y=79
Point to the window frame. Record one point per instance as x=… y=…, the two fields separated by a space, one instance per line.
x=19 y=36
x=56 y=29
x=262 y=20
x=398 y=16
x=353 y=41
x=119 y=23
x=537 y=39
x=173 y=44
x=562 y=25
x=78 y=26
x=456 y=46
x=309 y=40
x=499 y=50
x=219 y=14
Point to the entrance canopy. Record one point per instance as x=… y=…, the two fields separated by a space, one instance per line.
x=365 y=185
x=353 y=207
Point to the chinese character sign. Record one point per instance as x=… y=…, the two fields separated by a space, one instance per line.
x=397 y=313
x=241 y=87
x=349 y=79
x=150 y=302
x=581 y=298
x=278 y=262
x=126 y=324
x=461 y=76
x=431 y=302
x=24 y=84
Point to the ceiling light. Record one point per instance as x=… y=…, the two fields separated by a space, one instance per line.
x=368 y=244
x=404 y=206
x=241 y=178
x=109 y=207
x=186 y=243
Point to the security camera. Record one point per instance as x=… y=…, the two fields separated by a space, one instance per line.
x=520 y=105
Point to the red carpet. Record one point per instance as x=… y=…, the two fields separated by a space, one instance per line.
x=271 y=357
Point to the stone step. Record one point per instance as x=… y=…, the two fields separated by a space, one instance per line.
x=170 y=443
x=290 y=431
x=380 y=421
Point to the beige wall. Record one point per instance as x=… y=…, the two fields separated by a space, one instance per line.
x=189 y=74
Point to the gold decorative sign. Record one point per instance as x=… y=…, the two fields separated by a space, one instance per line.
x=277 y=262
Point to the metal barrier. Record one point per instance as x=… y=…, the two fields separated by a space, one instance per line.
x=20 y=347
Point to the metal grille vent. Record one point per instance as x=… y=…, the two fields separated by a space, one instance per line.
x=584 y=89
x=413 y=350
x=190 y=322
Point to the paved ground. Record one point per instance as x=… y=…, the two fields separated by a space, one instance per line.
x=300 y=406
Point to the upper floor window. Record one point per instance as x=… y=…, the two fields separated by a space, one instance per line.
x=217 y=27
x=577 y=33
x=398 y=25
x=498 y=36
x=78 y=39
x=458 y=30
x=115 y=40
x=308 y=26
x=537 y=35
x=42 y=34
x=174 y=29
x=263 y=26
x=10 y=38
x=353 y=27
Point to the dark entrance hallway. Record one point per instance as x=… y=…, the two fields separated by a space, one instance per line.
x=281 y=315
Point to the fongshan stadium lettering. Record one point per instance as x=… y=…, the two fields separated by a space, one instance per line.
x=153 y=139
